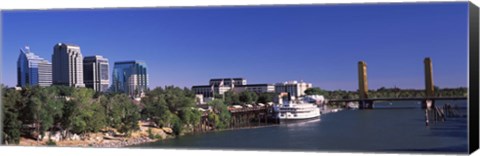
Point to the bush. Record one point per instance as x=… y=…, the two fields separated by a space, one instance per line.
x=150 y=134
x=50 y=142
x=153 y=136
x=177 y=127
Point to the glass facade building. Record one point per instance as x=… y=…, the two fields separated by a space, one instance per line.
x=130 y=77
x=33 y=70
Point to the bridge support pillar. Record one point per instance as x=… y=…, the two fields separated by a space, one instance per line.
x=429 y=86
x=365 y=104
x=428 y=104
x=363 y=87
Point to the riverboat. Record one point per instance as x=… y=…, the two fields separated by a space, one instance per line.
x=296 y=111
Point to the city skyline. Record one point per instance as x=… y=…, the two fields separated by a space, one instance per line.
x=262 y=44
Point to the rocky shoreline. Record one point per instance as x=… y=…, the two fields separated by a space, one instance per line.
x=109 y=138
x=129 y=142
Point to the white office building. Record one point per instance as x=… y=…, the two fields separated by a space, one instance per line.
x=257 y=88
x=221 y=85
x=294 y=88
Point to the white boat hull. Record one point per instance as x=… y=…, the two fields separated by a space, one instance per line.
x=298 y=117
x=296 y=120
x=296 y=112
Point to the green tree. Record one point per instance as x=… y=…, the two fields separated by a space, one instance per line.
x=222 y=116
x=266 y=97
x=177 y=126
x=214 y=119
x=232 y=98
x=189 y=93
x=62 y=90
x=124 y=115
x=248 y=97
x=314 y=91
x=78 y=111
x=157 y=110
x=10 y=116
x=156 y=107
x=190 y=116
x=97 y=116
x=163 y=106
x=84 y=114
x=176 y=98
x=130 y=119
x=43 y=108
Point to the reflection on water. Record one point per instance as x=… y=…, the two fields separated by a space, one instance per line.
x=301 y=123
x=417 y=104
x=293 y=126
x=386 y=130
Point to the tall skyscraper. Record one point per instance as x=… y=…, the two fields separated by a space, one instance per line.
x=33 y=70
x=95 y=73
x=130 y=77
x=67 y=64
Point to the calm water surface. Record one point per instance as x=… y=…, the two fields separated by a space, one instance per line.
x=400 y=128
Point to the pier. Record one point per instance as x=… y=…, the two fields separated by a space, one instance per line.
x=249 y=116
x=241 y=117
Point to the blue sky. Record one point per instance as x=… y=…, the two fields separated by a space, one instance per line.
x=320 y=44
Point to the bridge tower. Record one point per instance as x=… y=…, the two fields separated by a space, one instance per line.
x=363 y=86
x=429 y=87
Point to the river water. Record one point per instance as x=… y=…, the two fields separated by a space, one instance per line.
x=391 y=127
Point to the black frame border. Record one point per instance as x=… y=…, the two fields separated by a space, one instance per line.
x=473 y=89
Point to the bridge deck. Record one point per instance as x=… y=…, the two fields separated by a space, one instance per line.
x=399 y=99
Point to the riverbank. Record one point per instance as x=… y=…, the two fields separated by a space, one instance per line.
x=146 y=134
x=88 y=143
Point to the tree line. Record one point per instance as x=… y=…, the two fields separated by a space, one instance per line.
x=246 y=97
x=32 y=111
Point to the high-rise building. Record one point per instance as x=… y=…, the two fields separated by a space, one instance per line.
x=95 y=73
x=67 y=65
x=33 y=70
x=130 y=77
